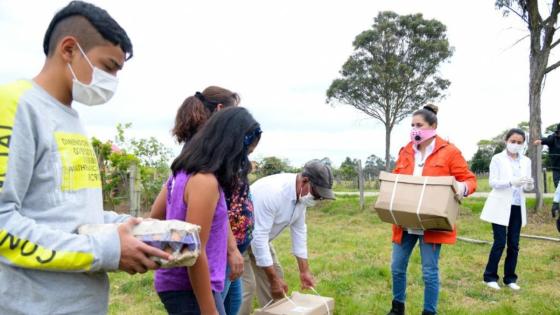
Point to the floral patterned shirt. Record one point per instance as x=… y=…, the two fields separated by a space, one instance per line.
x=240 y=211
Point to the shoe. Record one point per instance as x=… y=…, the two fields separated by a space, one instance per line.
x=397 y=309
x=493 y=284
x=428 y=313
x=514 y=286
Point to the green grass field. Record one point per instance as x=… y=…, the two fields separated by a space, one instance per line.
x=350 y=254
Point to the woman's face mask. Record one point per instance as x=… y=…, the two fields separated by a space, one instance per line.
x=514 y=148
x=420 y=135
x=515 y=144
x=99 y=91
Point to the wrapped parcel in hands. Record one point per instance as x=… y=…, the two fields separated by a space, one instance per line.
x=178 y=238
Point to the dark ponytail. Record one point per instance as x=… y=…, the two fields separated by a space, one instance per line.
x=197 y=109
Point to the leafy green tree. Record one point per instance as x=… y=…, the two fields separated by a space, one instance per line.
x=348 y=169
x=393 y=70
x=480 y=162
x=374 y=165
x=153 y=162
x=273 y=165
x=542 y=40
x=113 y=168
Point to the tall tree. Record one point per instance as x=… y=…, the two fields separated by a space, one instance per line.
x=273 y=165
x=349 y=169
x=393 y=70
x=542 y=41
x=374 y=165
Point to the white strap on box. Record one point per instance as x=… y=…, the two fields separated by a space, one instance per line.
x=287 y=298
x=267 y=304
x=420 y=202
x=324 y=300
x=393 y=199
x=290 y=300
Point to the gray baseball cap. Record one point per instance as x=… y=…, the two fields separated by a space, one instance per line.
x=321 y=178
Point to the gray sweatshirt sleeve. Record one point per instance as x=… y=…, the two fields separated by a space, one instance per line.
x=23 y=242
x=113 y=217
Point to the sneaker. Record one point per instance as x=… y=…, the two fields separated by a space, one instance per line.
x=493 y=284
x=397 y=309
x=514 y=286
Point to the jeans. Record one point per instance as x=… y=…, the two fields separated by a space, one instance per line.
x=184 y=302
x=430 y=269
x=555 y=177
x=505 y=235
x=232 y=296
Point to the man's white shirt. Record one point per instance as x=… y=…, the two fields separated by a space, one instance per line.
x=275 y=208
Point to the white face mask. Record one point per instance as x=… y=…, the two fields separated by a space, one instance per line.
x=307 y=200
x=514 y=148
x=102 y=87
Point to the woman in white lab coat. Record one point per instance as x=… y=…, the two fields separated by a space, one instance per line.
x=510 y=174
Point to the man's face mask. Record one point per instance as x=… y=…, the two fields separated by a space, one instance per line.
x=307 y=200
x=102 y=87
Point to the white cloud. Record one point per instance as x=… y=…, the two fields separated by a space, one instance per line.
x=281 y=57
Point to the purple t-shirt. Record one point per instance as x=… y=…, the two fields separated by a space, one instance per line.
x=175 y=279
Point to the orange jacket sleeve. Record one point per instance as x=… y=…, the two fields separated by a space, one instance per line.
x=460 y=170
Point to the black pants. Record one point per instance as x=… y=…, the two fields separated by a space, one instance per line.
x=555 y=177
x=185 y=303
x=505 y=235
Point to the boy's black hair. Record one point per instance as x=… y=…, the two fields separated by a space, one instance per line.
x=86 y=22
x=219 y=148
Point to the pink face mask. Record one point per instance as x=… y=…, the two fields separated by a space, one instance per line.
x=420 y=135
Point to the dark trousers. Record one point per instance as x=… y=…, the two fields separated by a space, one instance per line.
x=185 y=303
x=556 y=177
x=505 y=235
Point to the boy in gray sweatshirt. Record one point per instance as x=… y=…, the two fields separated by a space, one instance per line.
x=49 y=176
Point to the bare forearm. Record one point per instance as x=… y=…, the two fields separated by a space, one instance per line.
x=270 y=273
x=200 y=281
x=303 y=265
x=232 y=243
x=159 y=207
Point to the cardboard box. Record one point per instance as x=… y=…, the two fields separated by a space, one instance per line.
x=418 y=202
x=178 y=238
x=299 y=304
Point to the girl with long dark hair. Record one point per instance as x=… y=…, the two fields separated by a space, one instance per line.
x=213 y=162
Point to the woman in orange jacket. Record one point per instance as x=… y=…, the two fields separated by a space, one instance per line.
x=425 y=155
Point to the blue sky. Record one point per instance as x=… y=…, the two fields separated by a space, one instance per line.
x=281 y=57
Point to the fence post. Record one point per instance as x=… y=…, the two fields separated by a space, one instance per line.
x=545 y=181
x=361 y=184
x=134 y=191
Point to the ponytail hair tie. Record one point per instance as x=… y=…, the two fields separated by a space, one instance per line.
x=211 y=106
